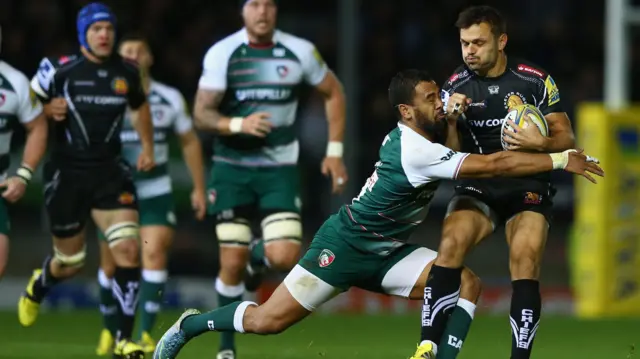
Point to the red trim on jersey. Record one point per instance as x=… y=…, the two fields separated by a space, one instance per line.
x=530 y=70
x=267 y=45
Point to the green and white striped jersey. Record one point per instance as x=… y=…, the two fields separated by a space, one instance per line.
x=257 y=79
x=18 y=104
x=396 y=198
x=170 y=116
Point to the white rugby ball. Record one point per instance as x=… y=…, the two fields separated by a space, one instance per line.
x=517 y=114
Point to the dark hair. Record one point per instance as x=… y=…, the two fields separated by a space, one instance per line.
x=478 y=14
x=402 y=88
x=134 y=36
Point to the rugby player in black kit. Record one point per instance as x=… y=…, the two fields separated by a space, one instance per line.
x=86 y=96
x=480 y=92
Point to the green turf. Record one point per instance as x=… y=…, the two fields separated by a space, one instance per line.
x=74 y=335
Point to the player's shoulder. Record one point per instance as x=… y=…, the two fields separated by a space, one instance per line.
x=416 y=150
x=227 y=45
x=128 y=66
x=57 y=64
x=294 y=43
x=16 y=79
x=528 y=69
x=460 y=76
x=169 y=93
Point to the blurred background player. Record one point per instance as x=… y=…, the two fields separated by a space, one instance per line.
x=18 y=104
x=155 y=199
x=87 y=95
x=524 y=204
x=247 y=96
x=365 y=244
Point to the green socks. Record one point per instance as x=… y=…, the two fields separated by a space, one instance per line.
x=151 y=293
x=456 y=330
x=108 y=304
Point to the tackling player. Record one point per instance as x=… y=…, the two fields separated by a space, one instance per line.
x=87 y=95
x=495 y=82
x=155 y=200
x=18 y=104
x=248 y=96
x=364 y=244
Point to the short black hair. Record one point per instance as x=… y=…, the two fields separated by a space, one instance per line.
x=402 y=88
x=475 y=15
x=134 y=36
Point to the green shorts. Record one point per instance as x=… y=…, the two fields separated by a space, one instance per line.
x=155 y=211
x=265 y=188
x=5 y=224
x=332 y=266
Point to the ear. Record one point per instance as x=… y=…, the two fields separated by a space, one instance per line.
x=502 y=42
x=406 y=112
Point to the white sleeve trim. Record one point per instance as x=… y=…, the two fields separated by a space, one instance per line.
x=424 y=161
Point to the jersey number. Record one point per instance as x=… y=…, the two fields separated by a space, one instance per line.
x=368 y=185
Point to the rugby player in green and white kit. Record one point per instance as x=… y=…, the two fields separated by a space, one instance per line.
x=248 y=96
x=364 y=244
x=19 y=106
x=155 y=200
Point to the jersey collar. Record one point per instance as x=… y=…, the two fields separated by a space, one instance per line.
x=274 y=39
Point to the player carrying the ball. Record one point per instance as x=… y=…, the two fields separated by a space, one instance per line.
x=485 y=87
x=364 y=244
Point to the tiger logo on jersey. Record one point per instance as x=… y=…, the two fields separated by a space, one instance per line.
x=120 y=86
x=325 y=258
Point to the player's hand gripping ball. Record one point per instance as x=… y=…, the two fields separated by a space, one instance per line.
x=522 y=116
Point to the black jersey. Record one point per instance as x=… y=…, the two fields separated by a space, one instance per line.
x=97 y=97
x=522 y=82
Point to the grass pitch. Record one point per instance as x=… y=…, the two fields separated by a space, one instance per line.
x=73 y=335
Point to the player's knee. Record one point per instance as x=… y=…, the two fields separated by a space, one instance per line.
x=282 y=256
x=122 y=232
x=234 y=233
x=126 y=252
x=453 y=248
x=282 y=226
x=471 y=286
x=154 y=255
x=524 y=262
x=70 y=262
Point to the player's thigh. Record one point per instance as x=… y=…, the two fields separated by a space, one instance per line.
x=115 y=209
x=278 y=188
x=526 y=236
x=399 y=273
x=66 y=200
x=330 y=266
x=468 y=221
x=229 y=187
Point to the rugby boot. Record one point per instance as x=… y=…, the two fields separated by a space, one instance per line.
x=424 y=351
x=28 y=308
x=105 y=343
x=126 y=349
x=174 y=338
x=226 y=354
x=147 y=343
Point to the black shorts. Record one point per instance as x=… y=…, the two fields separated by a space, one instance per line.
x=71 y=194
x=506 y=197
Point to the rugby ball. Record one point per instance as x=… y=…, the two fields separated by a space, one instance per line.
x=518 y=114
